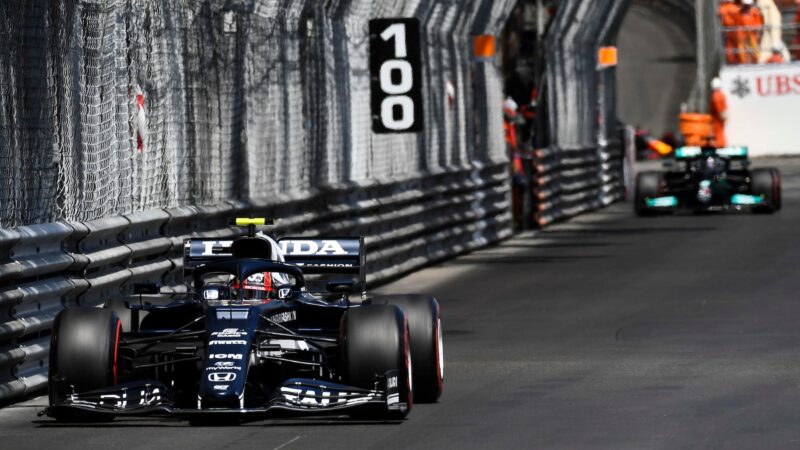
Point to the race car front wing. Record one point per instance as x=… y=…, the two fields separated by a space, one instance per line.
x=294 y=396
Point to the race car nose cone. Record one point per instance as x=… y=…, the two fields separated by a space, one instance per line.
x=704 y=192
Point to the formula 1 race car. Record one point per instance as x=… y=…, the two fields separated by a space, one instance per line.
x=253 y=340
x=708 y=179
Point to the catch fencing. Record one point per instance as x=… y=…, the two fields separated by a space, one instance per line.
x=129 y=126
x=115 y=106
x=581 y=168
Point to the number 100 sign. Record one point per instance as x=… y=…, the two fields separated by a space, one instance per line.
x=395 y=75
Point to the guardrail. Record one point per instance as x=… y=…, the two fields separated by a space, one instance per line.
x=50 y=267
x=569 y=182
x=581 y=168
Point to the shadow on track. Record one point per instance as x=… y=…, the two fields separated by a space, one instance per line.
x=500 y=259
x=150 y=422
x=627 y=231
x=561 y=245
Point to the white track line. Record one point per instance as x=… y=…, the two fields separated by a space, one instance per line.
x=294 y=439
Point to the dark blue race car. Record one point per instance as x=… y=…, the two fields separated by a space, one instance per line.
x=708 y=179
x=253 y=340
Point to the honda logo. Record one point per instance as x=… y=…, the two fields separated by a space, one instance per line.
x=221 y=377
x=309 y=247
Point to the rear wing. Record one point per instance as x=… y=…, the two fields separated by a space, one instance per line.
x=334 y=255
x=725 y=152
x=199 y=251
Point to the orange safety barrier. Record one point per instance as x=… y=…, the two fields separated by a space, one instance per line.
x=696 y=128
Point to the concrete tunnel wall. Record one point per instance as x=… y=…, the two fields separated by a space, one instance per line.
x=657 y=63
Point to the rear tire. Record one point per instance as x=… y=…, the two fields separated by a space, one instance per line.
x=375 y=339
x=424 y=326
x=776 y=175
x=648 y=185
x=767 y=182
x=83 y=356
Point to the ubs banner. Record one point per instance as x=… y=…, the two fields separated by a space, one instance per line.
x=763 y=107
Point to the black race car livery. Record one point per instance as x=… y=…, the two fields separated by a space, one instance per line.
x=708 y=179
x=227 y=350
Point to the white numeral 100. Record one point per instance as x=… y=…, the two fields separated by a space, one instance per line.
x=403 y=86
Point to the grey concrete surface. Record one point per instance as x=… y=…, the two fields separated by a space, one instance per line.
x=607 y=331
x=656 y=69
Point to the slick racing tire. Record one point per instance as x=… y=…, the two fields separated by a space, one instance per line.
x=123 y=313
x=375 y=339
x=83 y=357
x=427 y=351
x=767 y=182
x=778 y=200
x=648 y=185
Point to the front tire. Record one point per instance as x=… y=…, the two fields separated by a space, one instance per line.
x=123 y=312
x=83 y=357
x=767 y=182
x=648 y=185
x=427 y=349
x=375 y=339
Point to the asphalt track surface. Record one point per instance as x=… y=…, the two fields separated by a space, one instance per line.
x=607 y=331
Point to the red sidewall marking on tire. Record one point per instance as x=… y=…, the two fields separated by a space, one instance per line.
x=407 y=357
x=776 y=182
x=439 y=355
x=439 y=350
x=116 y=349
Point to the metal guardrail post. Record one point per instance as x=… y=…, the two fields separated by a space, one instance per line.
x=527 y=193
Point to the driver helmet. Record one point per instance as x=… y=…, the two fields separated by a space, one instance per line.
x=257 y=286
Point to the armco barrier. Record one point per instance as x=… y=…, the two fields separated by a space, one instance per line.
x=34 y=287
x=569 y=182
x=150 y=249
x=581 y=167
x=407 y=224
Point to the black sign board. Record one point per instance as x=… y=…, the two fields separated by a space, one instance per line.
x=395 y=75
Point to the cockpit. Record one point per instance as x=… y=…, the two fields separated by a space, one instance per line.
x=263 y=281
